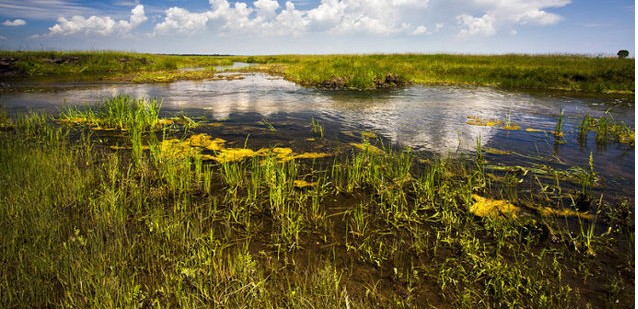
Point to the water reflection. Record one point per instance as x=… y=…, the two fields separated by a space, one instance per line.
x=424 y=118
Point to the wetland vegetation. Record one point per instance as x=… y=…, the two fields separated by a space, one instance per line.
x=114 y=205
x=575 y=73
x=120 y=203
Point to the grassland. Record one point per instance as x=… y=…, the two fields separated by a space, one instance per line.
x=114 y=206
x=576 y=73
x=107 y=65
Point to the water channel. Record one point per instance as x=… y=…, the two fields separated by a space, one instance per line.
x=426 y=119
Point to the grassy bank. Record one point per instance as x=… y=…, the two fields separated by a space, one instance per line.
x=115 y=207
x=108 y=65
x=538 y=72
x=528 y=72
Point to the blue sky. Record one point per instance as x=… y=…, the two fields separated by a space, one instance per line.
x=320 y=26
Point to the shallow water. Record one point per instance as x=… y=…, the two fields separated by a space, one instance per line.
x=426 y=119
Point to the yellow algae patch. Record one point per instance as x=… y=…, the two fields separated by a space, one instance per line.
x=348 y=133
x=312 y=155
x=511 y=127
x=174 y=148
x=282 y=153
x=234 y=154
x=547 y=211
x=100 y=128
x=558 y=134
x=74 y=120
x=477 y=121
x=303 y=184
x=484 y=207
x=495 y=151
x=216 y=145
x=207 y=157
x=532 y=130
x=627 y=138
x=205 y=141
x=368 y=148
x=115 y=147
x=164 y=122
x=368 y=134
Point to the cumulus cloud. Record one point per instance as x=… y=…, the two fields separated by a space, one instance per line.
x=268 y=17
x=100 y=25
x=181 y=20
x=494 y=14
x=353 y=17
x=14 y=23
x=266 y=8
x=483 y=25
x=371 y=16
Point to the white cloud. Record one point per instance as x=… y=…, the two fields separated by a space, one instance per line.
x=14 y=23
x=483 y=25
x=371 y=16
x=2 y=38
x=497 y=13
x=42 y=9
x=182 y=21
x=267 y=17
x=266 y=8
x=420 y=30
x=358 y=17
x=100 y=25
x=291 y=20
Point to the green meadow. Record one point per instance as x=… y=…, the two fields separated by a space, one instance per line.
x=574 y=73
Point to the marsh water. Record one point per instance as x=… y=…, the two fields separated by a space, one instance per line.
x=268 y=110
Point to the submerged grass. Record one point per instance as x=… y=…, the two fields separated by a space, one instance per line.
x=84 y=226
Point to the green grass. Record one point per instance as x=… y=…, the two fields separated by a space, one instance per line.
x=83 y=225
x=577 y=73
x=114 y=65
x=532 y=72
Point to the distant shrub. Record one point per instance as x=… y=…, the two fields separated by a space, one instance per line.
x=623 y=54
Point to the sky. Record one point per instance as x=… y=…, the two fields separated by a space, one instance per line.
x=249 y=27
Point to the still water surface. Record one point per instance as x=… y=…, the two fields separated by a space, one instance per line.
x=426 y=119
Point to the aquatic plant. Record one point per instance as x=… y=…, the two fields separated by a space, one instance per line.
x=477 y=121
x=317 y=128
x=166 y=225
x=120 y=113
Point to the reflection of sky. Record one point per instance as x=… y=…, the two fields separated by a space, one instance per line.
x=424 y=118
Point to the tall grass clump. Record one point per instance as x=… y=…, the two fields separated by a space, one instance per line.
x=121 y=112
